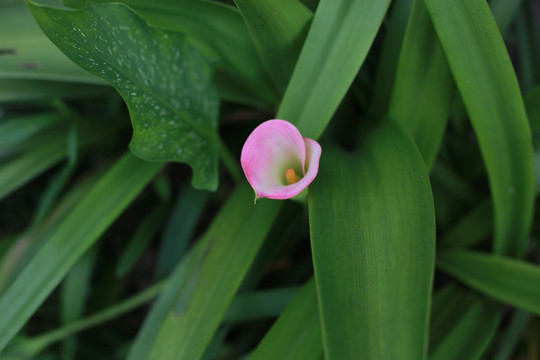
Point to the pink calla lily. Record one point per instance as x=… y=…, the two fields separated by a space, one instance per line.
x=278 y=161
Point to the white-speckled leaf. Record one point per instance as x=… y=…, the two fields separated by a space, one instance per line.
x=165 y=82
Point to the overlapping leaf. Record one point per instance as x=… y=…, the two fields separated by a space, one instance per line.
x=165 y=81
x=80 y=229
x=486 y=80
x=377 y=237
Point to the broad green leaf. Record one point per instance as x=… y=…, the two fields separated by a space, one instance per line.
x=165 y=81
x=144 y=233
x=484 y=75
x=216 y=28
x=26 y=53
x=423 y=89
x=389 y=57
x=199 y=293
x=337 y=43
x=296 y=334
x=278 y=29
x=79 y=230
x=259 y=305
x=472 y=333
x=373 y=237
x=516 y=282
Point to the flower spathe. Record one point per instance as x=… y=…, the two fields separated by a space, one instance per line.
x=278 y=161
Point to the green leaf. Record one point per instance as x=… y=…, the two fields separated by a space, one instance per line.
x=388 y=59
x=424 y=89
x=516 y=282
x=509 y=339
x=474 y=227
x=36 y=235
x=527 y=48
x=532 y=104
x=296 y=334
x=219 y=30
x=144 y=233
x=27 y=348
x=20 y=129
x=484 y=75
x=470 y=337
x=259 y=305
x=330 y=59
x=80 y=230
x=175 y=285
x=165 y=81
x=504 y=12
x=178 y=232
x=18 y=90
x=200 y=292
x=27 y=53
x=278 y=29
x=377 y=240
x=453 y=184
x=34 y=161
x=74 y=294
x=447 y=301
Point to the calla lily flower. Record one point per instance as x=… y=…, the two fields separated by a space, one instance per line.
x=278 y=161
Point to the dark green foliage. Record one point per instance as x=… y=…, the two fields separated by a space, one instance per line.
x=121 y=126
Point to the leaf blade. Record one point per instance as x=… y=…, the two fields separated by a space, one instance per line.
x=378 y=238
x=476 y=270
x=296 y=334
x=422 y=66
x=278 y=30
x=484 y=75
x=329 y=61
x=78 y=232
x=170 y=122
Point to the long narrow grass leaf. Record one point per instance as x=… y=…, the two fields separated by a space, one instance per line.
x=424 y=88
x=472 y=334
x=486 y=80
x=337 y=43
x=81 y=228
x=296 y=334
x=197 y=301
x=476 y=270
x=278 y=29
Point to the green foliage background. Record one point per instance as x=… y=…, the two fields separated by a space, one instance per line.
x=128 y=231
